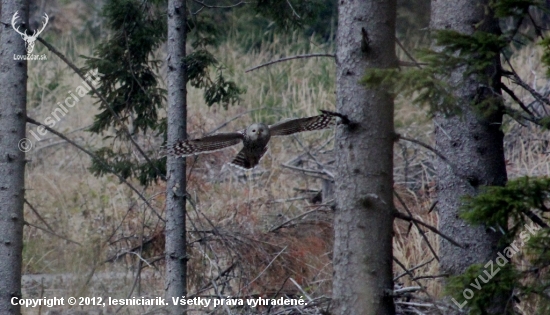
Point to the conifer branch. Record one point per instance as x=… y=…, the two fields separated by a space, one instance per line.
x=104 y=100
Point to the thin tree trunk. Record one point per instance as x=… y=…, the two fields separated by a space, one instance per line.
x=175 y=251
x=473 y=144
x=363 y=220
x=13 y=114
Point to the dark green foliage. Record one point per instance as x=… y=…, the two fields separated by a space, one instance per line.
x=477 y=52
x=222 y=91
x=511 y=209
x=129 y=81
x=197 y=64
x=429 y=84
x=289 y=13
x=505 y=207
x=129 y=84
x=537 y=277
x=421 y=85
x=218 y=90
x=545 y=43
x=203 y=30
x=478 y=56
x=514 y=8
x=124 y=165
x=324 y=23
x=486 y=282
x=544 y=122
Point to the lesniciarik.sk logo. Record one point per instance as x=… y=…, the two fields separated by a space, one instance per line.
x=29 y=39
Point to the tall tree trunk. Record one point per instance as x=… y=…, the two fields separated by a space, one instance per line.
x=473 y=144
x=13 y=115
x=363 y=221
x=175 y=250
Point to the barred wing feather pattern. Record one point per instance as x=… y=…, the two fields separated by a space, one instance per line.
x=207 y=144
x=288 y=127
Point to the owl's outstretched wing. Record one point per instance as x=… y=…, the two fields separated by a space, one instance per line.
x=288 y=127
x=205 y=145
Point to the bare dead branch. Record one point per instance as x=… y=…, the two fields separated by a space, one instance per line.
x=38 y=215
x=95 y=157
x=290 y=58
x=413 y=269
x=290 y=220
x=535 y=218
x=405 y=217
x=407 y=53
x=517 y=80
x=314 y=173
x=425 y=145
x=292 y=8
x=444 y=275
x=516 y=99
x=421 y=286
x=210 y=6
x=416 y=224
x=52 y=233
x=270 y=263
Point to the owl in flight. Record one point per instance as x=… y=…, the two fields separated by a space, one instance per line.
x=255 y=138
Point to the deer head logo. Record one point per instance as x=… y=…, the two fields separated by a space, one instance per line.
x=29 y=40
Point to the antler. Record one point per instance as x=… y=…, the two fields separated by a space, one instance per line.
x=13 y=19
x=36 y=33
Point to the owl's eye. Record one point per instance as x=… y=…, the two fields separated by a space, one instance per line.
x=253 y=130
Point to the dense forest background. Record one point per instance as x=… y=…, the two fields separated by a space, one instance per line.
x=266 y=232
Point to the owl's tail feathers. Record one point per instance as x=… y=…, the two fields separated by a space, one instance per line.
x=341 y=118
x=242 y=161
x=246 y=162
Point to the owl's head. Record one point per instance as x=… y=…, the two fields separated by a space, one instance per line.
x=257 y=131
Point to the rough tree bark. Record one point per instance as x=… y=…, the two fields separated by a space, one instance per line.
x=175 y=249
x=13 y=114
x=363 y=221
x=473 y=144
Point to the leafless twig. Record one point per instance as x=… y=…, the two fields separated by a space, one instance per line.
x=95 y=157
x=292 y=8
x=405 y=217
x=407 y=53
x=290 y=220
x=413 y=268
x=416 y=225
x=289 y=58
x=52 y=233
